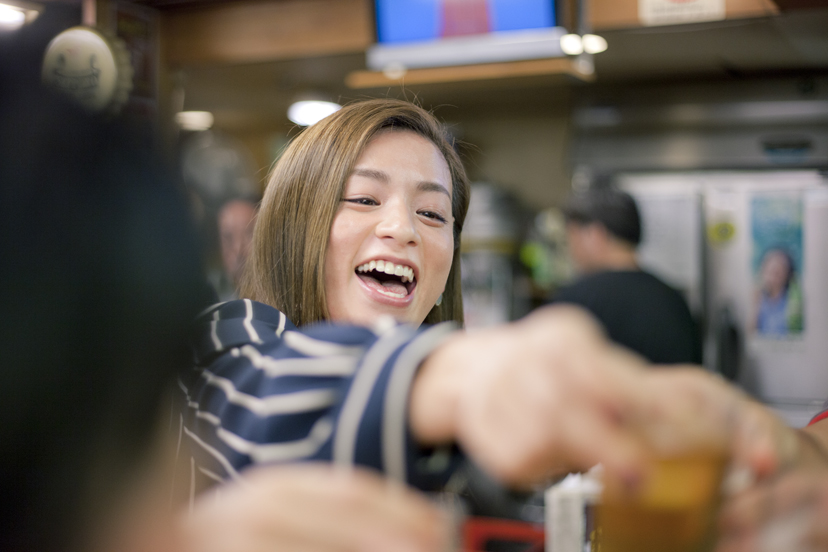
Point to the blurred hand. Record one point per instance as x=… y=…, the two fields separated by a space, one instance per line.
x=687 y=409
x=313 y=508
x=549 y=394
x=528 y=400
x=765 y=444
x=697 y=407
x=784 y=514
x=692 y=409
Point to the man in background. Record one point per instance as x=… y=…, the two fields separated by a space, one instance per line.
x=637 y=309
x=235 y=222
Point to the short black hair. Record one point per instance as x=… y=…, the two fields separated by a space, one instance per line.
x=610 y=207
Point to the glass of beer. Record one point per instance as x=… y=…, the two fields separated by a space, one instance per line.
x=673 y=510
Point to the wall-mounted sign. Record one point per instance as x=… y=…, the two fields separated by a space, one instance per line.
x=89 y=67
x=671 y=12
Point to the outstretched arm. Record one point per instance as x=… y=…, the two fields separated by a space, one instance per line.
x=266 y=392
x=532 y=399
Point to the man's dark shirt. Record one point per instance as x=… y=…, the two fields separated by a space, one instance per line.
x=640 y=312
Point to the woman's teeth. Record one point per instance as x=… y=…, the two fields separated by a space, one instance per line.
x=392 y=294
x=404 y=272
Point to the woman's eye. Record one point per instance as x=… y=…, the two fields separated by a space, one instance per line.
x=362 y=201
x=434 y=216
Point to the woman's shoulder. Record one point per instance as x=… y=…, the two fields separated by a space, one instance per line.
x=225 y=326
x=243 y=309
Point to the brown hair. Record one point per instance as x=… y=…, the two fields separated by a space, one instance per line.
x=287 y=258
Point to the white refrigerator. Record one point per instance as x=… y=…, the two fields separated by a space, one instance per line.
x=749 y=249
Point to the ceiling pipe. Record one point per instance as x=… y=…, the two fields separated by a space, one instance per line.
x=89 y=13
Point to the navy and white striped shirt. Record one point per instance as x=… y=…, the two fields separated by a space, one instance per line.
x=264 y=391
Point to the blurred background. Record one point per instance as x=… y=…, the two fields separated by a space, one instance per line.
x=713 y=114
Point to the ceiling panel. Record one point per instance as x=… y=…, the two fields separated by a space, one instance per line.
x=791 y=43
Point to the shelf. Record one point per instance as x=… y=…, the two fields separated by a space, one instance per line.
x=479 y=72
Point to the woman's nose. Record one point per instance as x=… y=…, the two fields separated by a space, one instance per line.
x=398 y=223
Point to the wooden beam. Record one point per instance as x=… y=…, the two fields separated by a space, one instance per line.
x=257 y=31
x=486 y=71
x=790 y=5
x=751 y=8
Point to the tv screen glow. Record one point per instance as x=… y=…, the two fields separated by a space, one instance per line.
x=400 y=21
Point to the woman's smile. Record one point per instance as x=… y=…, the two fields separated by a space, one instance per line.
x=388 y=278
x=391 y=241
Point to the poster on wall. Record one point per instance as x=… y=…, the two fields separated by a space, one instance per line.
x=777 y=263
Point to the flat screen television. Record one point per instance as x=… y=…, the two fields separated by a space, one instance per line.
x=429 y=33
x=423 y=20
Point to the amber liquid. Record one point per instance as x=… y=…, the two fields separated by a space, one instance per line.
x=632 y=528
x=675 y=513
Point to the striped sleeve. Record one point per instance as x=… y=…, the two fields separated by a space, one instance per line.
x=265 y=392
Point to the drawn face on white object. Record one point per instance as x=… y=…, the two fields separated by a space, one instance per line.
x=391 y=242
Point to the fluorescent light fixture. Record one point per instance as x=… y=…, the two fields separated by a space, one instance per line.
x=594 y=44
x=11 y=17
x=14 y=16
x=194 y=120
x=571 y=44
x=308 y=112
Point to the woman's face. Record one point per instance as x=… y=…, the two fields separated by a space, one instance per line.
x=775 y=272
x=391 y=242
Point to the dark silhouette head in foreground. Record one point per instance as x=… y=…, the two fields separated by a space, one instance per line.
x=99 y=278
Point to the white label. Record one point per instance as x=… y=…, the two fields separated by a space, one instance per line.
x=669 y=12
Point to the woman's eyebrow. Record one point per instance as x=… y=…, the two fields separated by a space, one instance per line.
x=427 y=186
x=373 y=174
x=382 y=177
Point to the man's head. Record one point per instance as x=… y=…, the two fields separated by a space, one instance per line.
x=603 y=229
x=235 y=227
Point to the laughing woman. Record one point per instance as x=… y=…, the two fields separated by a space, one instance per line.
x=377 y=181
x=327 y=356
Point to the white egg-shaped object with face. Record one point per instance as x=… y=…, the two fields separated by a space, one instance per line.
x=81 y=63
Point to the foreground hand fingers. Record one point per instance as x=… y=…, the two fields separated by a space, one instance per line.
x=763 y=443
x=786 y=514
x=554 y=388
x=314 y=508
x=688 y=410
x=694 y=410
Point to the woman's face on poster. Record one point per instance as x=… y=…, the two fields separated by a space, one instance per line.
x=776 y=271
